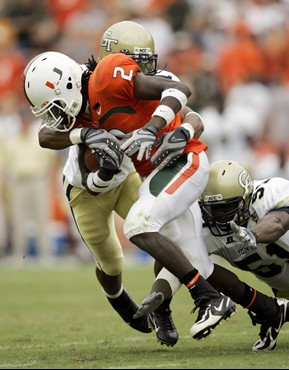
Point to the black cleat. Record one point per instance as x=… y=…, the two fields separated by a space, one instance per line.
x=210 y=315
x=270 y=330
x=143 y=324
x=166 y=331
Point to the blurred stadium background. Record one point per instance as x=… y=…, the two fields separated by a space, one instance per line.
x=233 y=54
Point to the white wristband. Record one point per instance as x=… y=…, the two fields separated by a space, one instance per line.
x=165 y=112
x=95 y=184
x=190 y=128
x=75 y=136
x=177 y=94
x=195 y=114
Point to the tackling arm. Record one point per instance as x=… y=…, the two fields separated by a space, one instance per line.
x=173 y=96
x=272 y=226
x=55 y=140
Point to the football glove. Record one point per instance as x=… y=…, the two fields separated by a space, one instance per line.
x=105 y=145
x=172 y=145
x=141 y=140
x=244 y=235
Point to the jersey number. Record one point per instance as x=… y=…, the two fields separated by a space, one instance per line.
x=268 y=270
x=122 y=73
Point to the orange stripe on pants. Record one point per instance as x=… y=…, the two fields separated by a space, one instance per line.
x=185 y=175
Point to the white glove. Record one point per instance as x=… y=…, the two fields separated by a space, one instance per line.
x=244 y=235
x=141 y=140
x=172 y=145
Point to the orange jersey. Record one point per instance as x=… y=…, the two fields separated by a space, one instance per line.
x=113 y=105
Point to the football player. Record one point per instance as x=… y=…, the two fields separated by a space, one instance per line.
x=247 y=223
x=142 y=109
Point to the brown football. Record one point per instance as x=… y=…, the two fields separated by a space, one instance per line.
x=91 y=160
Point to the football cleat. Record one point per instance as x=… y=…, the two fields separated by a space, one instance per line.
x=149 y=304
x=210 y=315
x=166 y=331
x=270 y=330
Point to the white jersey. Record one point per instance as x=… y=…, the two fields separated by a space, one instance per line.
x=72 y=173
x=269 y=262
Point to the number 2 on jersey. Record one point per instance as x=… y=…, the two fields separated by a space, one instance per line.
x=122 y=73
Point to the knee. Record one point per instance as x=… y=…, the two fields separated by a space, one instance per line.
x=113 y=267
x=145 y=241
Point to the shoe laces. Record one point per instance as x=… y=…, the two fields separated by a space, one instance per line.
x=202 y=309
x=166 y=319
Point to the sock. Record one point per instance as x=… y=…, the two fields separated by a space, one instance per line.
x=165 y=306
x=263 y=306
x=120 y=302
x=188 y=278
x=200 y=290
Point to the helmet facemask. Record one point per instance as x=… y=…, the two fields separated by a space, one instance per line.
x=218 y=214
x=146 y=60
x=55 y=115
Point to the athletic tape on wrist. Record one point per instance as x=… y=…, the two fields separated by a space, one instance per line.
x=172 y=280
x=165 y=112
x=177 y=94
x=75 y=136
x=190 y=128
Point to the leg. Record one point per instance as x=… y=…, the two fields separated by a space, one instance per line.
x=155 y=208
x=101 y=238
x=269 y=312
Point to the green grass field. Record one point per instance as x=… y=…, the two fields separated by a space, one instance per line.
x=59 y=318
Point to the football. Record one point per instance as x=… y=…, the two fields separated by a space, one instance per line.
x=90 y=160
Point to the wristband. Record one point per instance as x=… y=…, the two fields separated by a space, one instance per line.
x=75 y=136
x=165 y=112
x=190 y=128
x=95 y=184
x=177 y=94
x=195 y=114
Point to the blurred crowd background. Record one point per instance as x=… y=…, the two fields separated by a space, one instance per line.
x=234 y=54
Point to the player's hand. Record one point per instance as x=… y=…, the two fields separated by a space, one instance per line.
x=108 y=166
x=141 y=140
x=172 y=145
x=244 y=235
x=105 y=145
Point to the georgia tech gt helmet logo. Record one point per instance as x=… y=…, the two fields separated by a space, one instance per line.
x=106 y=42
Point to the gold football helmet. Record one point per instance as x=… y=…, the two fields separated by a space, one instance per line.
x=133 y=40
x=226 y=197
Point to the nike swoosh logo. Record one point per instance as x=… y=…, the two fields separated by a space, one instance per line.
x=219 y=308
x=99 y=111
x=174 y=140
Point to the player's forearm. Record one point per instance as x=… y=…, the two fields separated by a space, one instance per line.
x=194 y=120
x=269 y=230
x=55 y=140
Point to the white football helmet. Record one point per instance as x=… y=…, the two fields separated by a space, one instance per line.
x=52 y=85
